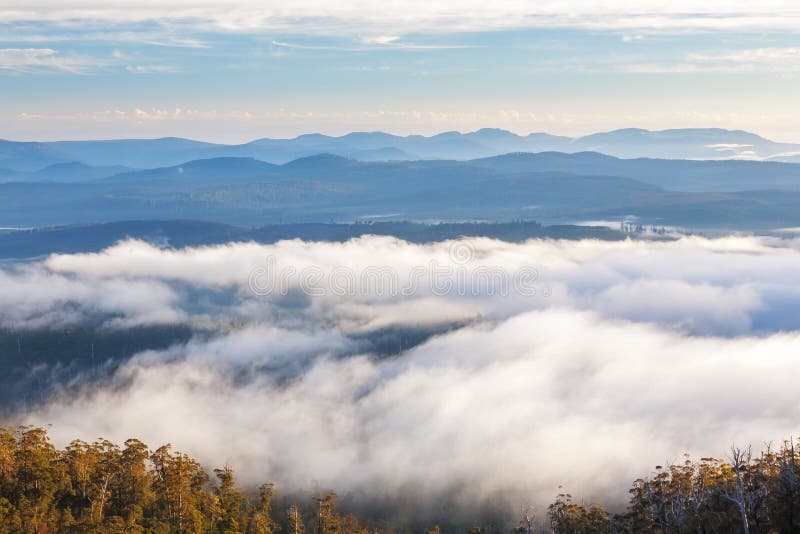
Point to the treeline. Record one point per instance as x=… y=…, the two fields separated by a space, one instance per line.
x=104 y=488
x=745 y=493
x=94 y=237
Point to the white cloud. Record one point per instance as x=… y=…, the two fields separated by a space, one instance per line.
x=362 y=16
x=776 y=60
x=151 y=69
x=43 y=60
x=35 y=298
x=783 y=60
x=541 y=399
x=632 y=38
x=638 y=351
x=380 y=39
x=680 y=284
x=283 y=44
x=378 y=43
x=750 y=55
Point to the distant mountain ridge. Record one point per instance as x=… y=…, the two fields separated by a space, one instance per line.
x=675 y=175
x=709 y=143
x=71 y=171
x=552 y=187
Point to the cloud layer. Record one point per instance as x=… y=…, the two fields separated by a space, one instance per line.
x=628 y=354
x=381 y=19
x=725 y=286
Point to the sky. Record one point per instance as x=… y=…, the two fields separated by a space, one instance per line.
x=236 y=71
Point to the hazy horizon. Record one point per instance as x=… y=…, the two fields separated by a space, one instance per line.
x=398 y=133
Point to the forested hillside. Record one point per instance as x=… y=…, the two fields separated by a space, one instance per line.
x=554 y=188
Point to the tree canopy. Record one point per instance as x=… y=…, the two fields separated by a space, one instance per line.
x=102 y=487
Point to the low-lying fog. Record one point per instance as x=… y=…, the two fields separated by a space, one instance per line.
x=574 y=363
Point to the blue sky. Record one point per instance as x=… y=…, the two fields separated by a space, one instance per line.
x=237 y=71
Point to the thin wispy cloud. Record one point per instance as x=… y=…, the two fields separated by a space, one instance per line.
x=151 y=69
x=380 y=39
x=364 y=68
x=632 y=38
x=776 y=59
x=40 y=60
x=349 y=16
x=370 y=45
x=299 y=46
x=47 y=60
x=47 y=33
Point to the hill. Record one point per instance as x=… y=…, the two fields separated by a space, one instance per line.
x=676 y=175
x=696 y=143
x=551 y=187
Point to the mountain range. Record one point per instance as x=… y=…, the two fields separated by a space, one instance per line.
x=551 y=187
x=18 y=159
